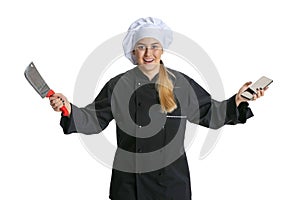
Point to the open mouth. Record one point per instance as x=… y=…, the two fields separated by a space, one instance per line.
x=148 y=60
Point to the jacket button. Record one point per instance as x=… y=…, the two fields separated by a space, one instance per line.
x=139 y=150
x=139 y=104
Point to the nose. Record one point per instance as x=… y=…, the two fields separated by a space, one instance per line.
x=148 y=51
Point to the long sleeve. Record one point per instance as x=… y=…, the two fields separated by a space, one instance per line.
x=205 y=111
x=91 y=119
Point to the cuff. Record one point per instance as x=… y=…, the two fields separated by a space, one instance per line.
x=238 y=114
x=67 y=123
x=244 y=112
x=232 y=112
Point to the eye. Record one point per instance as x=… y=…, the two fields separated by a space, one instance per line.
x=141 y=47
x=155 y=47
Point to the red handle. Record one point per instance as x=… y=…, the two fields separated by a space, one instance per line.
x=63 y=109
x=50 y=93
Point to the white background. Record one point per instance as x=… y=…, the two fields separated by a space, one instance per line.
x=245 y=39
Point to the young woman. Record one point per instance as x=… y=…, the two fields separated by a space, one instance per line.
x=151 y=104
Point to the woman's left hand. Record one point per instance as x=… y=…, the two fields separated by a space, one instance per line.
x=239 y=99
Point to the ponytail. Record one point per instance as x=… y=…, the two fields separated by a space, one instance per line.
x=165 y=90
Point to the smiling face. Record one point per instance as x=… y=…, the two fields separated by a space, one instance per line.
x=148 y=52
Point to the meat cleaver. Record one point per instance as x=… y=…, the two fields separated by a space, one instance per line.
x=38 y=83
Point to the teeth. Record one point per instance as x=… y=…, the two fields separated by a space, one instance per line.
x=148 y=60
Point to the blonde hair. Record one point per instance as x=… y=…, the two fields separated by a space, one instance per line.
x=165 y=90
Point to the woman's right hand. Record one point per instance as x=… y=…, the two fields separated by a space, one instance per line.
x=58 y=100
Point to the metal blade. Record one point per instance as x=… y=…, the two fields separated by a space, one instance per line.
x=36 y=80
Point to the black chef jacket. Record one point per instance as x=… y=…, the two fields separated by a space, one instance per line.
x=128 y=98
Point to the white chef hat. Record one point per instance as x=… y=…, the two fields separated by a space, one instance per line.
x=146 y=27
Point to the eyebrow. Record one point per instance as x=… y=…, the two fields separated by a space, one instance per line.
x=146 y=44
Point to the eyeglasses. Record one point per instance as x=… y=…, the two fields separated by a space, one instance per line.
x=153 y=47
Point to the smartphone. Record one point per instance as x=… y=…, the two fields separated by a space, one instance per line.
x=261 y=83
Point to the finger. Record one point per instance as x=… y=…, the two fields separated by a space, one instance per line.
x=254 y=97
x=246 y=85
x=262 y=92
x=266 y=88
x=57 y=106
x=59 y=95
x=62 y=100
x=53 y=97
x=54 y=107
x=258 y=93
x=54 y=101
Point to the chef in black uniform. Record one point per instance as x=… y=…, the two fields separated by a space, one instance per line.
x=151 y=105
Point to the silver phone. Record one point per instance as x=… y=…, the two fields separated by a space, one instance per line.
x=261 y=83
